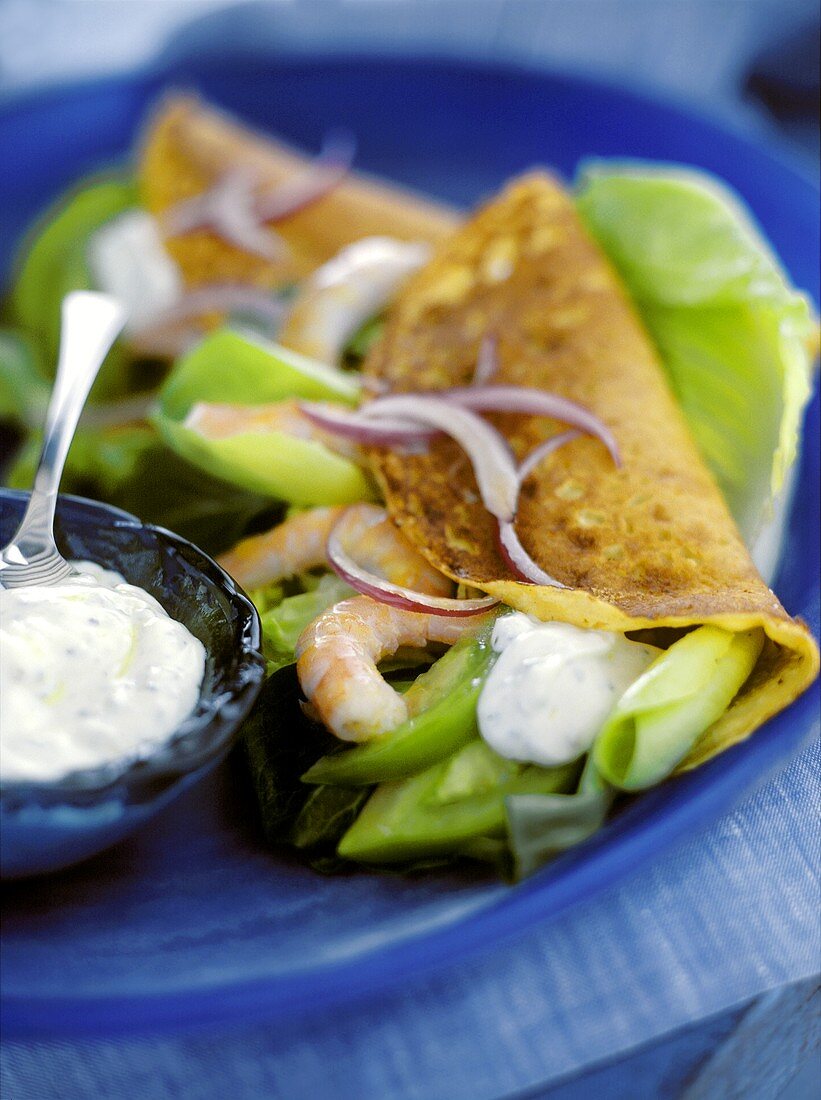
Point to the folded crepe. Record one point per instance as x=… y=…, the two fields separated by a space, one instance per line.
x=187 y=146
x=651 y=544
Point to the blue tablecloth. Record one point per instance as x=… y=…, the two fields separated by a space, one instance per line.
x=692 y=979
x=711 y=956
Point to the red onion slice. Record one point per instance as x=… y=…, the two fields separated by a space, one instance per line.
x=487 y=362
x=514 y=554
x=171 y=331
x=370 y=584
x=496 y=474
x=386 y=431
x=223 y=298
x=232 y=209
x=491 y=457
x=326 y=173
x=532 y=402
x=229 y=209
x=519 y=561
x=529 y=464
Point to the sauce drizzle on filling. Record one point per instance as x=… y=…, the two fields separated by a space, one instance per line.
x=553 y=686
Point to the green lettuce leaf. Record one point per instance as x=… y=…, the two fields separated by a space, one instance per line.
x=24 y=390
x=99 y=463
x=542 y=826
x=52 y=262
x=280 y=743
x=283 y=624
x=268 y=597
x=733 y=335
x=324 y=819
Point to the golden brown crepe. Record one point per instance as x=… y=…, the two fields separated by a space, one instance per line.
x=649 y=545
x=187 y=146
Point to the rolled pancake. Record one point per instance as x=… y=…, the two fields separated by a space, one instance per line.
x=187 y=145
x=649 y=545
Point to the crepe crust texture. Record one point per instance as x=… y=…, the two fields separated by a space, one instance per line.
x=650 y=544
x=187 y=146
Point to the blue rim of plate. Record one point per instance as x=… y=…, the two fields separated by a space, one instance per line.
x=623 y=848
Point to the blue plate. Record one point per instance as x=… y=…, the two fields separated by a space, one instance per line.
x=193 y=920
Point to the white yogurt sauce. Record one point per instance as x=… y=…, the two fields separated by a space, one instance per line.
x=92 y=671
x=553 y=686
x=128 y=259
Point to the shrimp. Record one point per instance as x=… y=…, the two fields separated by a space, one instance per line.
x=346 y=292
x=378 y=545
x=338 y=652
x=294 y=546
x=299 y=543
x=221 y=421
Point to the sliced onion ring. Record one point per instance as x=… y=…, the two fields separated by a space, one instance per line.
x=224 y=298
x=228 y=208
x=519 y=561
x=531 y=461
x=487 y=362
x=386 y=432
x=325 y=173
x=370 y=584
x=491 y=457
x=171 y=331
x=525 y=399
x=233 y=210
x=516 y=557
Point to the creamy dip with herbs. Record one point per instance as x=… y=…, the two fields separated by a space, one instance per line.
x=93 y=671
x=553 y=686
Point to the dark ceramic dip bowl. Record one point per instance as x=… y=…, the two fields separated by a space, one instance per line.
x=47 y=826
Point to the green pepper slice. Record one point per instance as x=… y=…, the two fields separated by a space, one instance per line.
x=442 y=703
x=447 y=808
x=662 y=715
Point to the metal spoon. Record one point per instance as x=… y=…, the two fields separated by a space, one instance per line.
x=90 y=325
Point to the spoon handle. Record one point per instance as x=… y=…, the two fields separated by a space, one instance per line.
x=90 y=325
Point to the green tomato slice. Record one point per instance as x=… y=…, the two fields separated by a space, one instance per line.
x=272 y=464
x=228 y=367
x=238 y=368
